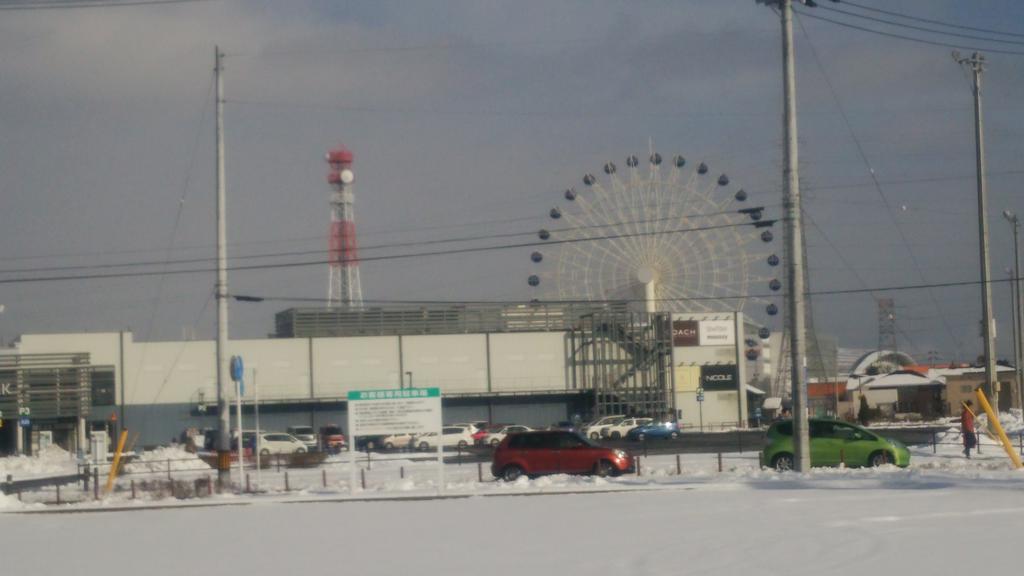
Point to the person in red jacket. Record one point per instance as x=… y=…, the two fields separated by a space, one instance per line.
x=967 y=428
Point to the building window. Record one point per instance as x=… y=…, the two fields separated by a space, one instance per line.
x=966 y=389
x=103 y=388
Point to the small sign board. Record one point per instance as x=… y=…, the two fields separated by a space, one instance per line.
x=403 y=411
x=24 y=422
x=237 y=368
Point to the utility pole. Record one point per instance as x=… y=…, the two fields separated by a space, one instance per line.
x=224 y=427
x=1018 y=317
x=976 y=64
x=794 y=243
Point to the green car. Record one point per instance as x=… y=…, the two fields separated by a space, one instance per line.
x=834 y=442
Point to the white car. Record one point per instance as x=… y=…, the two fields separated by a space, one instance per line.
x=457 y=436
x=617 y=431
x=306 y=435
x=593 y=430
x=280 y=443
x=398 y=441
x=495 y=438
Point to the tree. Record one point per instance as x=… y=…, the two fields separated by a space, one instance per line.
x=864 y=412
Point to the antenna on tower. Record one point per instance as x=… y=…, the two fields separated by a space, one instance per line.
x=344 y=288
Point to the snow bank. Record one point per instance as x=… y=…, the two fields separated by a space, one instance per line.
x=159 y=459
x=50 y=461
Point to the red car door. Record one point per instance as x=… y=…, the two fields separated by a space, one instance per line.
x=540 y=453
x=575 y=455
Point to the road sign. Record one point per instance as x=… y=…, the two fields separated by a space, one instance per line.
x=24 y=411
x=700 y=397
x=24 y=422
x=237 y=368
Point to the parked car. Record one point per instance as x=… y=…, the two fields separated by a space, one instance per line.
x=564 y=425
x=616 y=431
x=592 y=430
x=451 y=436
x=482 y=432
x=555 y=452
x=495 y=437
x=834 y=442
x=279 y=443
x=662 y=430
x=399 y=441
x=332 y=439
x=306 y=435
x=370 y=443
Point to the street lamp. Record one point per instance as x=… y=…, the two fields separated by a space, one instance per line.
x=409 y=374
x=1018 y=320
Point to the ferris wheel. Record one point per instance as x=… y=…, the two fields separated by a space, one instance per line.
x=666 y=238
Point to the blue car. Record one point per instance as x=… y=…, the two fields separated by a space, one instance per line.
x=666 y=430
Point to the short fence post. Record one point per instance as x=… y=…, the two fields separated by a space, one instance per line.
x=287 y=486
x=58 y=494
x=133 y=488
x=760 y=460
x=19 y=495
x=639 y=464
x=83 y=472
x=401 y=472
x=168 y=468
x=645 y=446
x=842 y=457
x=96 y=483
x=679 y=466
x=739 y=440
x=248 y=487
x=277 y=457
x=1021 y=438
x=459 y=450
x=324 y=477
x=479 y=472
x=362 y=477
x=719 y=461
x=935 y=443
x=209 y=485
x=10 y=482
x=369 y=464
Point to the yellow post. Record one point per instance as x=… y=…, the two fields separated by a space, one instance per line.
x=117 y=461
x=993 y=422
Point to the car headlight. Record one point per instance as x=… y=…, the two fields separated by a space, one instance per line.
x=620 y=454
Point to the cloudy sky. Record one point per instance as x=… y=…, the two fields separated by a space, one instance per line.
x=469 y=118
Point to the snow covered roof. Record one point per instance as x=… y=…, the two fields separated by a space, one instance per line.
x=898 y=379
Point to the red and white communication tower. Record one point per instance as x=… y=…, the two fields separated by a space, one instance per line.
x=343 y=257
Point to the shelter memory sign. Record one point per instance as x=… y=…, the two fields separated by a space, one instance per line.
x=385 y=412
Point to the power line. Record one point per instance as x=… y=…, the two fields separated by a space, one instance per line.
x=69 y=277
x=930 y=21
x=832 y=292
x=922 y=28
x=874 y=178
x=373 y=247
x=70 y=4
x=907 y=38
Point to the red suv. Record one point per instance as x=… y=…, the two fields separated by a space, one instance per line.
x=555 y=452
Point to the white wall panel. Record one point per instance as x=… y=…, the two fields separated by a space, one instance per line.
x=528 y=361
x=343 y=364
x=453 y=363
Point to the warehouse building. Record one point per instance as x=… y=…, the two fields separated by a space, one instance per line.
x=534 y=364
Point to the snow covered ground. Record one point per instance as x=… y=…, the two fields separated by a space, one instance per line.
x=943 y=514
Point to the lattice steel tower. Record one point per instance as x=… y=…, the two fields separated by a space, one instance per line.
x=344 y=288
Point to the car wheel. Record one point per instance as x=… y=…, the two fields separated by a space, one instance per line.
x=674 y=435
x=462 y=444
x=616 y=435
x=595 y=436
x=879 y=458
x=424 y=446
x=371 y=445
x=495 y=442
x=300 y=450
x=511 y=473
x=783 y=462
x=389 y=446
x=264 y=452
x=603 y=468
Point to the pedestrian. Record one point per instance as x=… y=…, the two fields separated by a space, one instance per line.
x=967 y=428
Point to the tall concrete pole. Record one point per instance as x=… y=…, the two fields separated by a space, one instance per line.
x=223 y=377
x=1018 y=314
x=976 y=64
x=794 y=244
